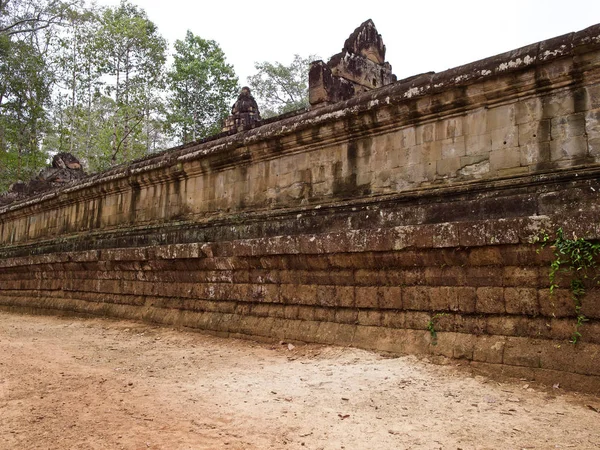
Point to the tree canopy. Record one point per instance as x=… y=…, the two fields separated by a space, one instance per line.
x=93 y=81
x=201 y=86
x=281 y=88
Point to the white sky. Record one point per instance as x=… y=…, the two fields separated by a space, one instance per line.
x=420 y=36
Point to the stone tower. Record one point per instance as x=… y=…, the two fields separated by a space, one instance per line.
x=359 y=67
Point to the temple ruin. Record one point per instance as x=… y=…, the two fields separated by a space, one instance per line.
x=387 y=210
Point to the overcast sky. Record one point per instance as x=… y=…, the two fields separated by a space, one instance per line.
x=420 y=36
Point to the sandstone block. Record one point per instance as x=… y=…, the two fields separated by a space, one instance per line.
x=521 y=301
x=564 y=127
x=475 y=123
x=568 y=148
x=505 y=158
x=393 y=319
x=489 y=349
x=558 y=104
x=501 y=117
x=521 y=276
x=528 y=111
x=448 y=167
x=490 y=300
x=367 y=297
x=346 y=315
x=445 y=235
x=326 y=295
x=478 y=144
x=369 y=318
x=416 y=298
x=592 y=124
x=504 y=138
x=391 y=297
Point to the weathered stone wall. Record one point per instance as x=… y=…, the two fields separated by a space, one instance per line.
x=351 y=224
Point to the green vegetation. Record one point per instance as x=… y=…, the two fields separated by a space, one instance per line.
x=201 y=85
x=279 y=88
x=431 y=326
x=577 y=259
x=93 y=81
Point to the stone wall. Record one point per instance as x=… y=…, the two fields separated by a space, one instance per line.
x=351 y=224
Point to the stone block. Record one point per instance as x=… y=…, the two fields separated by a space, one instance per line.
x=504 y=138
x=345 y=296
x=416 y=298
x=528 y=111
x=475 y=122
x=533 y=154
x=592 y=124
x=425 y=133
x=420 y=173
x=445 y=235
x=405 y=277
x=369 y=318
x=466 y=299
x=489 y=349
x=464 y=345
x=490 y=300
x=590 y=304
x=564 y=127
x=521 y=276
x=592 y=93
x=390 y=297
x=522 y=301
x=557 y=304
x=448 y=167
x=534 y=132
x=378 y=240
x=452 y=147
x=367 y=297
x=324 y=314
x=472 y=234
x=582 y=358
x=500 y=117
x=326 y=295
x=522 y=352
x=505 y=158
x=485 y=256
x=393 y=319
x=558 y=104
x=370 y=277
x=568 y=148
x=346 y=315
x=478 y=144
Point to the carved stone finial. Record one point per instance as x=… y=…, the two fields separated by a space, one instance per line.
x=367 y=42
x=244 y=113
x=360 y=67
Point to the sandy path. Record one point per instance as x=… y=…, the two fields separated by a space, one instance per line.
x=71 y=383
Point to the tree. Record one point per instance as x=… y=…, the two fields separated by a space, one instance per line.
x=279 y=88
x=25 y=85
x=77 y=64
x=202 y=86
x=133 y=56
x=27 y=17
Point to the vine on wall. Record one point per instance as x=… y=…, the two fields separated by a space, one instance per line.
x=576 y=258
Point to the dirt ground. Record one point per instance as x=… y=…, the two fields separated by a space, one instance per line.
x=72 y=383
